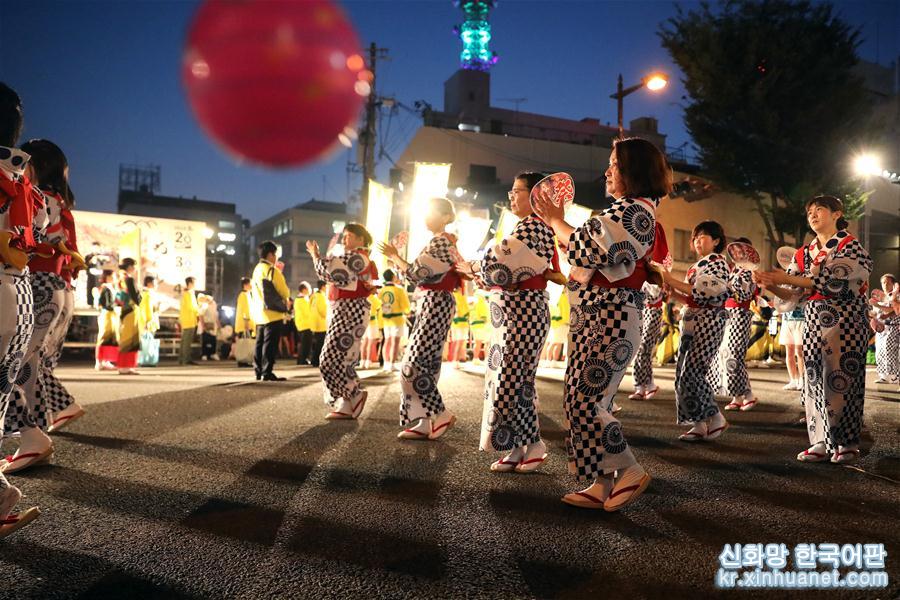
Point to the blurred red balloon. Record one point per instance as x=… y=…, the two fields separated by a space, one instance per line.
x=274 y=82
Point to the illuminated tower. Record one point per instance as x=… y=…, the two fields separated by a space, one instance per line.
x=475 y=34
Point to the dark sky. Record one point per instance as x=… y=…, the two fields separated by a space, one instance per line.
x=102 y=80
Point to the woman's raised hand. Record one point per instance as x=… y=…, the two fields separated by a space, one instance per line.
x=389 y=251
x=545 y=208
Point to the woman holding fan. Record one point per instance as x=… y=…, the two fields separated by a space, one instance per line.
x=434 y=272
x=610 y=256
x=516 y=271
x=831 y=276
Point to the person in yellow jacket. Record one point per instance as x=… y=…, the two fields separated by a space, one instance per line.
x=481 y=325
x=459 y=329
x=269 y=301
x=302 y=324
x=559 y=332
x=394 y=308
x=187 y=318
x=148 y=310
x=243 y=321
x=369 y=352
x=318 y=321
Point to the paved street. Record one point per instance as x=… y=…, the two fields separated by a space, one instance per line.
x=194 y=482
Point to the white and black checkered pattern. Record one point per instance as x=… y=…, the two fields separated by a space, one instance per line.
x=421 y=367
x=887 y=350
x=51 y=391
x=600 y=348
x=510 y=419
x=701 y=335
x=613 y=241
x=438 y=257
x=650 y=333
x=48 y=294
x=730 y=369
x=834 y=355
x=340 y=353
x=16 y=329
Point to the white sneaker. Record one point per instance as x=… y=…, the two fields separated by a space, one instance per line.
x=203 y=358
x=216 y=357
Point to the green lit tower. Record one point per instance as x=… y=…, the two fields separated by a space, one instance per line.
x=475 y=34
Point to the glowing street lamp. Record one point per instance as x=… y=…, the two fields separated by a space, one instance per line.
x=653 y=82
x=865 y=165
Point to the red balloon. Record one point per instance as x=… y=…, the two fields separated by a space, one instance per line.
x=274 y=82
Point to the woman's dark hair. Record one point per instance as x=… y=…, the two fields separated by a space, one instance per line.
x=11 y=116
x=126 y=264
x=266 y=248
x=320 y=283
x=643 y=167
x=105 y=276
x=359 y=230
x=831 y=203
x=531 y=178
x=188 y=281
x=388 y=275
x=303 y=286
x=443 y=206
x=713 y=230
x=244 y=281
x=148 y=280
x=49 y=164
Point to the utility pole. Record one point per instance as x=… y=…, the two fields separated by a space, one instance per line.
x=368 y=136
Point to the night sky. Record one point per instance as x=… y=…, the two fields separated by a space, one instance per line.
x=102 y=80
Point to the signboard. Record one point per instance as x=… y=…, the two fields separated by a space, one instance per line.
x=168 y=249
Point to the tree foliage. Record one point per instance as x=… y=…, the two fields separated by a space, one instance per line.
x=774 y=103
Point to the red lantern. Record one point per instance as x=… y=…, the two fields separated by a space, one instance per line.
x=274 y=82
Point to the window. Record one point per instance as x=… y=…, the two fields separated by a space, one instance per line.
x=283 y=227
x=226 y=225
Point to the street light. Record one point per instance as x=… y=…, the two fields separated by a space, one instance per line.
x=865 y=165
x=653 y=82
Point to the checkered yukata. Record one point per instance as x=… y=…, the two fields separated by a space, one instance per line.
x=604 y=328
x=729 y=373
x=887 y=343
x=651 y=320
x=702 y=328
x=520 y=320
x=349 y=319
x=421 y=365
x=48 y=296
x=16 y=303
x=836 y=338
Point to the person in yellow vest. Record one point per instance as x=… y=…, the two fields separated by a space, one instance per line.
x=187 y=318
x=318 y=321
x=480 y=325
x=369 y=353
x=303 y=324
x=559 y=332
x=394 y=308
x=459 y=330
x=269 y=301
x=243 y=322
x=148 y=311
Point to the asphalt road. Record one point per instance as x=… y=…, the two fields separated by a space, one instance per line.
x=195 y=483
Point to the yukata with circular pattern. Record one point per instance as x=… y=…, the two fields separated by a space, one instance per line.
x=520 y=322
x=651 y=319
x=835 y=339
x=604 y=329
x=48 y=291
x=351 y=274
x=702 y=329
x=728 y=374
x=887 y=342
x=23 y=217
x=421 y=365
